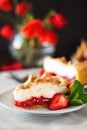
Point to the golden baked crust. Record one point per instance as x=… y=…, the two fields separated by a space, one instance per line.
x=80 y=51
x=45 y=78
x=81 y=74
x=59 y=59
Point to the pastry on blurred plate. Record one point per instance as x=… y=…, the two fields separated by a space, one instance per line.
x=67 y=69
x=81 y=52
x=38 y=91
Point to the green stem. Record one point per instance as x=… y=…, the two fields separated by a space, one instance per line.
x=15 y=2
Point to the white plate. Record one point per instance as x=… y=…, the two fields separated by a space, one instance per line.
x=85 y=86
x=6 y=100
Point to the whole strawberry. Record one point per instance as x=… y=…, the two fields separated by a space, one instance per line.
x=59 y=101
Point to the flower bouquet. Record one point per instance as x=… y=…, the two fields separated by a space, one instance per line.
x=31 y=38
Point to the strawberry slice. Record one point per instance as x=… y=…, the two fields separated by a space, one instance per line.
x=59 y=101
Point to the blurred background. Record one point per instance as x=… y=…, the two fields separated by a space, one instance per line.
x=69 y=37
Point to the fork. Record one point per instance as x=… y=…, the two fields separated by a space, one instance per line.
x=21 y=80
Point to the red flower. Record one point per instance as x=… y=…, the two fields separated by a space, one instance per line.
x=6 y=5
x=48 y=36
x=32 y=29
x=58 y=21
x=13 y=66
x=7 y=31
x=22 y=8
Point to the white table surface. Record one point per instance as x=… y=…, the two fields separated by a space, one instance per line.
x=13 y=120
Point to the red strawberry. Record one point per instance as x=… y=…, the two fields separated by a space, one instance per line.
x=59 y=101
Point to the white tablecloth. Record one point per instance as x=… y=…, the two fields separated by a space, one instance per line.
x=13 y=120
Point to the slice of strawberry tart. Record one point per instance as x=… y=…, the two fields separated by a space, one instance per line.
x=67 y=69
x=42 y=91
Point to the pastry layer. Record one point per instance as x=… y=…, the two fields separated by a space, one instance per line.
x=81 y=52
x=45 y=86
x=62 y=67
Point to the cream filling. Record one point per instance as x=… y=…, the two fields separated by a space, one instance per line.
x=59 y=68
x=45 y=90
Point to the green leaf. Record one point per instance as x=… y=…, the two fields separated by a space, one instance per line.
x=75 y=95
x=75 y=102
x=78 y=88
x=83 y=97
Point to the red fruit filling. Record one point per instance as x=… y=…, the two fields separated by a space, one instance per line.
x=42 y=71
x=70 y=80
x=32 y=102
x=83 y=58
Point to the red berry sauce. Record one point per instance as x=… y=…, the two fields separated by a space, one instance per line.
x=83 y=58
x=32 y=102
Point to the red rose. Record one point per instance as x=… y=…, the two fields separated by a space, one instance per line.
x=6 y=5
x=13 y=66
x=7 y=31
x=58 y=21
x=48 y=36
x=32 y=29
x=22 y=8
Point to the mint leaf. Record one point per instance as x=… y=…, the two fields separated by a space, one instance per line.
x=75 y=102
x=77 y=96
x=78 y=88
x=83 y=97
